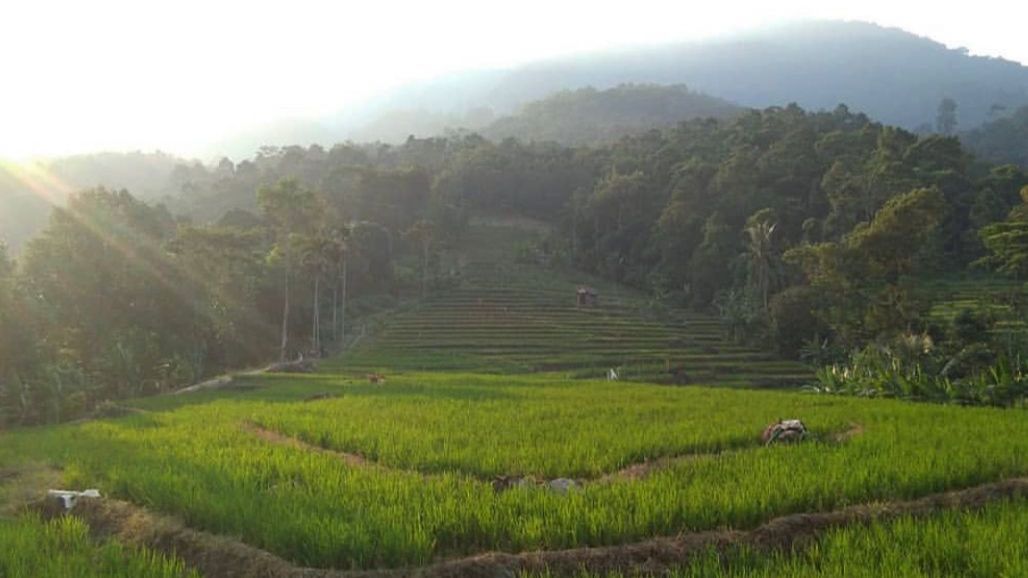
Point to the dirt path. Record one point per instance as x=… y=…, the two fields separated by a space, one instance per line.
x=274 y=437
x=220 y=557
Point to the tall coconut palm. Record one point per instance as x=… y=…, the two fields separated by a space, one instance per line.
x=760 y=250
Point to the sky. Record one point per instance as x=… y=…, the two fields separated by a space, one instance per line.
x=80 y=76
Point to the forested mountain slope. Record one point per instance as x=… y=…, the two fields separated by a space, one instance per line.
x=894 y=76
x=1004 y=140
x=590 y=116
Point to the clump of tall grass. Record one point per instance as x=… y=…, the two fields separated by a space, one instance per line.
x=33 y=548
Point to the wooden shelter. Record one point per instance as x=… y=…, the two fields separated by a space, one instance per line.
x=586 y=297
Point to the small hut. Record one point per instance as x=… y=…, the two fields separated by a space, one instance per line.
x=587 y=297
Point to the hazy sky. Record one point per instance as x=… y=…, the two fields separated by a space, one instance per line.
x=102 y=74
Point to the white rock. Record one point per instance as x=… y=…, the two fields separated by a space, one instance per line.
x=562 y=485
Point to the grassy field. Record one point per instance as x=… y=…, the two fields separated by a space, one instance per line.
x=434 y=438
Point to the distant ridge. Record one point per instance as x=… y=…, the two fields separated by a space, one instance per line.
x=893 y=76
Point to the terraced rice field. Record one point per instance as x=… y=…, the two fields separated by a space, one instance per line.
x=509 y=318
x=992 y=298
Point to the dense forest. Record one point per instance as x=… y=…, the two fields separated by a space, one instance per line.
x=803 y=230
x=1002 y=141
x=583 y=117
x=588 y=116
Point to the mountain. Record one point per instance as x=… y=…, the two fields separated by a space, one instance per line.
x=590 y=116
x=893 y=76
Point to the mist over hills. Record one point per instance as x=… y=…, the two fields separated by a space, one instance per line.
x=28 y=191
x=891 y=75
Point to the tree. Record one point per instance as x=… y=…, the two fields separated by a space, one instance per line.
x=292 y=210
x=946 y=119
x=1007 y=242
x=18 y=344
x=372 y=246
x=339 y=257
x=889 y=244
x=228 y=266
x=760 y=230
x=318 y=254
x=794 y=320
x=423 y=233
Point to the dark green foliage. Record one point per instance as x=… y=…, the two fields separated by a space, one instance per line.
x=1004 y=140
x=877 y=371
x=115 y=299
x=1007 y=241
x=794 y=319
x=946 y=118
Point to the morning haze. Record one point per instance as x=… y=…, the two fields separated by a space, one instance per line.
x=539 y=290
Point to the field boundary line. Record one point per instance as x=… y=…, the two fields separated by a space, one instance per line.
x=351 y=459
x=501 y=482
x=223 y=557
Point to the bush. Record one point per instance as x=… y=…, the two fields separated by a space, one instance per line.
x=793 y=319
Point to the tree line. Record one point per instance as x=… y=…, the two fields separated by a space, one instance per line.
x=118 y=298
x=806 y=232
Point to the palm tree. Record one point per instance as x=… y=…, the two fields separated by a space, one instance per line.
x=760 y=247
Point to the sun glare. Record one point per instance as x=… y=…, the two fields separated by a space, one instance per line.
x=111 y=75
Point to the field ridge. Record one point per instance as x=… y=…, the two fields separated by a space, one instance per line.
x=631 y=471
x=221 y=557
